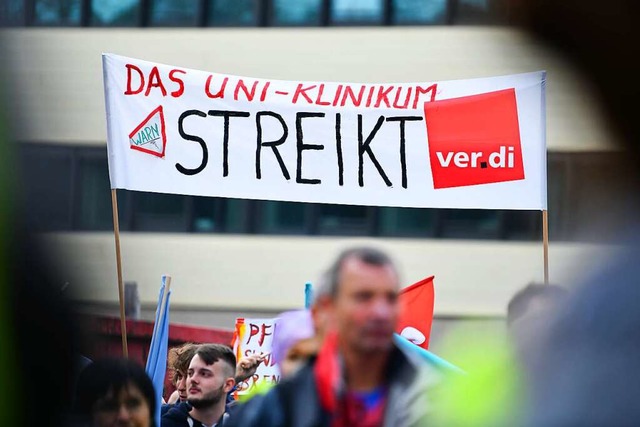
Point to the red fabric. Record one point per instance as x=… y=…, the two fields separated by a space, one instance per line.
x=416 y=309
x=354 y=413
x=327 y=372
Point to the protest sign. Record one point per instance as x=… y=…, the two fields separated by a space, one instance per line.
x=255 y=336
x=476 y=143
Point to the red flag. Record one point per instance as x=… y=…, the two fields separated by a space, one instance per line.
x=416 y=312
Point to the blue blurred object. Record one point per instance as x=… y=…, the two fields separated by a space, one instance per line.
x=157 y=360
x=308 y=294
x=429 y=357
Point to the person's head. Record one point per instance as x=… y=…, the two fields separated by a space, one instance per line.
x=115 y=392
x=533 y=300
x=178 y=360
x=322 y=295
x=361 y=298
x=210 y=375
x=294 y=340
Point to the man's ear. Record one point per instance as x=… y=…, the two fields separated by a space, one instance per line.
x=228 y=384
x=321 y=313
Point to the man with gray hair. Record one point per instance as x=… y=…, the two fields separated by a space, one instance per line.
x=360 y=377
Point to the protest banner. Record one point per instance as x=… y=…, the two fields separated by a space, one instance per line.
x=255 y=336
x=476 y=143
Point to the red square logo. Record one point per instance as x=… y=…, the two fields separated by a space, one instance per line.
x=474 y=139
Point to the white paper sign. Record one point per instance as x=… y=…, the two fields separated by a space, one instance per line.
x=255 y=336
x=453 y=144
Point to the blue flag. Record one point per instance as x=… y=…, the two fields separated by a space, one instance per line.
x=429 y=357
x=157 y=359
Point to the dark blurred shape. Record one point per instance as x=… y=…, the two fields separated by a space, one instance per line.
x=131 y=300
x=587 y=370
x=45 y=336
x=114 y=389
x=532 y=299
x=530 y=313
x=599 y=38
x=39 y=334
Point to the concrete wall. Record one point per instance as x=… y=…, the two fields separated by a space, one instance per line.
x=268 y=273
x=56 y=74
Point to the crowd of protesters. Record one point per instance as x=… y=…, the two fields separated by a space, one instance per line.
x=347 y=371
x=339 y=362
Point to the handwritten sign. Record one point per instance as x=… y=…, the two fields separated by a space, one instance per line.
x=255 y=336
x=476 y=143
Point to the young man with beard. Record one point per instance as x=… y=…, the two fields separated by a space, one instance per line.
x=209 y=378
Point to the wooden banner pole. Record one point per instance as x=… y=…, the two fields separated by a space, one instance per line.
x=545 y=244
x=116 y=231
x=165 y=294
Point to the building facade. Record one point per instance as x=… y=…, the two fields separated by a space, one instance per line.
x=233 y=257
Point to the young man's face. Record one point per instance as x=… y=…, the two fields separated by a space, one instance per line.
x=180 y=379
x=366 y=306
x=207 y=384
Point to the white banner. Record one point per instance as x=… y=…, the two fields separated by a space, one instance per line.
x=453 y=144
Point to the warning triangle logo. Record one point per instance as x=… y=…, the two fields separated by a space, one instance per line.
x=150 y=136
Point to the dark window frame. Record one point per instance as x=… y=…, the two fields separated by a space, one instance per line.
x=565 y=171
x=264 y=10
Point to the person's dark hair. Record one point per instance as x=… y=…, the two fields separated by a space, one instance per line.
x=211 y=353
x=519 y=303
x=331 y=278
x=111 y=374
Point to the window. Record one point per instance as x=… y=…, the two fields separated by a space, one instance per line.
x=283 y=217
x=211 y=214
x=67 y=188
x=48 y=181
x=95 y=210
x=558 y=203
x=420 y=11
x=174 y=13
x=349 y=12
x=345 y=220
x=469 y=224
x=159 y=212
x=207 y=215
x=230 y=13
x=112 y=13
x=522 y=225
x=301 y=12
x=410 y=222
x=220 y=13
x=236 y=214
x=57 y=12
x=12 y=13
x=473 y=12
